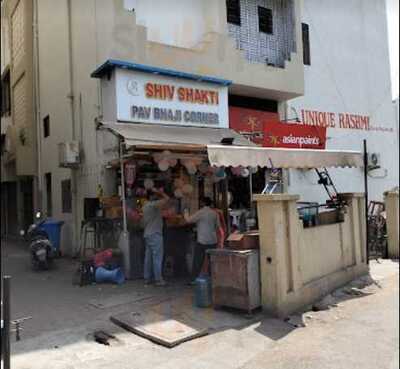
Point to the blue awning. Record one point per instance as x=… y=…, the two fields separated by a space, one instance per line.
x=110 y=65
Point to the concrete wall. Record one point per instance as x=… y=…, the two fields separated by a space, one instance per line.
x=7 y=167
x=121 y=37
x=55 y=102
x=20 y=19
x=392 y=222
x=5 y=39
x=175 y=23
x=349 y=73
x=397 y=115
x=299 y=266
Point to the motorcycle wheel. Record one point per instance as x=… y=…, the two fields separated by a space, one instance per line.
x=44 y=265
x=35 y=264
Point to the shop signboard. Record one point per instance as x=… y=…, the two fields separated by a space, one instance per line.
x=250 y=122
x=266 y=129
x=294 y=136
x=342 y=120
x=155 y=99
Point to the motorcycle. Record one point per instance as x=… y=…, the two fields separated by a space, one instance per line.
x=41 y=250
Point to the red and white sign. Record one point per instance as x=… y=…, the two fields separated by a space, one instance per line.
x=266 y=129
x=250 y=122
x=294 y=136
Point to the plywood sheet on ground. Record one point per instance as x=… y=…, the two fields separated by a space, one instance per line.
x=167 y=330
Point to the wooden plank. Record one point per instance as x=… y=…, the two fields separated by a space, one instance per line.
x=168 y=331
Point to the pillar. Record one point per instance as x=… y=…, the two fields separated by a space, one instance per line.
x=279 y=228
x=392 y=223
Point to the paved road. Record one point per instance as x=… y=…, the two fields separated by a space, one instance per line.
x=362 y=332
x=365 y=335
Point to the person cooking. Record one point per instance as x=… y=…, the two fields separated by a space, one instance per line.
x=207 y=223
x=153 y=237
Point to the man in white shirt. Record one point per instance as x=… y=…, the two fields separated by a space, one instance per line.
x=207 y=224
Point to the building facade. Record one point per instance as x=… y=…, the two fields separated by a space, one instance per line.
x=349 y=76
x=259 y=45
x=18 y=128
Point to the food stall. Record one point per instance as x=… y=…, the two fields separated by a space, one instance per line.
x=170 y=131
x=175 y=162
x=188 y=164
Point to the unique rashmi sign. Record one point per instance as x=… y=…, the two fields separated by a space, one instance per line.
x=340 y=120
x=146 y=98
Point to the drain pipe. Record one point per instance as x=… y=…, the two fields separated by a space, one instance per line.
x=36 y=94
x=71 y=69
x=71 y=96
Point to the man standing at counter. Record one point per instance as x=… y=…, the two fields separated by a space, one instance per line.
x=207 y=223
x=153 y=236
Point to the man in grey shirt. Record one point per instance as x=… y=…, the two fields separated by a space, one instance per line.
x=207 y=223
x=153 y=237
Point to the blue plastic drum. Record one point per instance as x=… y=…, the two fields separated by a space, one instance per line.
x=53 y=230
x=112 y=276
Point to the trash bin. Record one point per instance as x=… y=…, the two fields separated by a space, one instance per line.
x=53 y=230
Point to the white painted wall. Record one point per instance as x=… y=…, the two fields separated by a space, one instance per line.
x=54 y=101
x=396 y=112
x=173 y=22
x=349 y=73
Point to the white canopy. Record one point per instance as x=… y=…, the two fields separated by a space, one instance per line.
x=281 y=158
x=140 y=135
x=241 y=153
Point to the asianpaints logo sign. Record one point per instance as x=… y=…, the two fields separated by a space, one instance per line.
x=265 y=129
x=301 y=140
x=294 y=136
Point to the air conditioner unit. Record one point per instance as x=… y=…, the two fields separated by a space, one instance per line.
x=374 y=161
x=69 y=154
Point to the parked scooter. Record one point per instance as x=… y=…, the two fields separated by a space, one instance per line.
x=41 y=250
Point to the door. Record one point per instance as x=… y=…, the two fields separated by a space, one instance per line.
x=27 y=198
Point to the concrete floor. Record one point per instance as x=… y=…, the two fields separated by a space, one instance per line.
x=361 y=332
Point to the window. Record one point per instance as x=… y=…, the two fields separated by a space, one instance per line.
x=66 y=197
x=49 y=194
x=233 y=11
x=46 y=126
x=265 y=20
x=306 y=44
x=241 y=101
x=5 y=95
